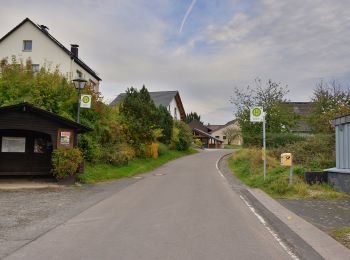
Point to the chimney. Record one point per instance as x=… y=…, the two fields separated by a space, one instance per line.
x=74 y=49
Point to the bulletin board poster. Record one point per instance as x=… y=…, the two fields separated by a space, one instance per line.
x=65 y=138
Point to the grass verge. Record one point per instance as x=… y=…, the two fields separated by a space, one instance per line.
x=232 y=146
x=342 y=235
x=247 y=165
x=104 y=172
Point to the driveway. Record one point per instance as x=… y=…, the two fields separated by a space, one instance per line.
x=183 y=210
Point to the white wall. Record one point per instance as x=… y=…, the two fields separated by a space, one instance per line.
x=220 y=134
x=171 y=109
x=44 y=51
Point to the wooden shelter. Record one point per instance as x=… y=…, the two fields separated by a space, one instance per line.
x=29 y=134
x=207 y=140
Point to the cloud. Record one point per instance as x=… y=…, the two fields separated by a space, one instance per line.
x=227 y=44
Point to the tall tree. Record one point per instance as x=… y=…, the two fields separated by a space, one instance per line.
x=271 y=96
x=330 y=100
x=192 y=116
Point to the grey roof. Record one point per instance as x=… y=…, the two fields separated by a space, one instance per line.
x=159 y=98
x=345 y=119
x=303 y=109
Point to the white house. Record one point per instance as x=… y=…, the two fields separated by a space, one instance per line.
x=32 y=41
x=221 y=132
x=169 y=99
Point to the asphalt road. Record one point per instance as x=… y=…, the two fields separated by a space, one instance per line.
x=183 y=210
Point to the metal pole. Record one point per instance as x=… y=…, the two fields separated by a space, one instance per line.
x=78 y=113
x=291 y=174
x=264 y=145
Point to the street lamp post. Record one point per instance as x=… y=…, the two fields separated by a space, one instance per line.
x=79 y=84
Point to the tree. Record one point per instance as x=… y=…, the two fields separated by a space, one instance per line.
x=330 y=100
x=49 y=90
x=232 y=133
x=192 y=116
x=138 y=112
x=271 y=96
x=165 y=122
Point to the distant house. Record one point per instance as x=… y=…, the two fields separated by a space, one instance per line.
x=202 y=133
x=302 y=109
x=219 y=132
x=32 y=41
x=169 y=99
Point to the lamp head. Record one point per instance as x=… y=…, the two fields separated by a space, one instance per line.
x=79 y=83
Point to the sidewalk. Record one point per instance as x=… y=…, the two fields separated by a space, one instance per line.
x=326 y=215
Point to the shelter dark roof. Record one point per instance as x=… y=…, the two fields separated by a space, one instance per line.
x=44 y=31
x=159 y=98
x=206 y=134
x=195 y=124
x=51 y=116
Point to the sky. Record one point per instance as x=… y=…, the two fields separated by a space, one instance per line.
x=202 y=48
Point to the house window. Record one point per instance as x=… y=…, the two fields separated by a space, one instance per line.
x=224 y=137
x=13 y=144
x=27 y=45
x=79 y=74
x=175 y=113
x=217 y=137
x=35 y=68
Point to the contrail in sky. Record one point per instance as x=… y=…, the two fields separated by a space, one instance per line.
x=187 y=14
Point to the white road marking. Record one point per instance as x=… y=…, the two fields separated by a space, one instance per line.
x=262 y=220
x=217 y=167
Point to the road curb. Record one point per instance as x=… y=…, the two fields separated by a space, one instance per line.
x=326 y=246
x=320 y=242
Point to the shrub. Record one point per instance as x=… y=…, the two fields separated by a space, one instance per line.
x=162 y=148
x=314 y=152
x=198 y=142
x=118 y=155
x=65 y=162
x=182 y=136
x=273 y=140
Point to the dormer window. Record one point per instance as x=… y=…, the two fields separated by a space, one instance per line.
x=27 y=45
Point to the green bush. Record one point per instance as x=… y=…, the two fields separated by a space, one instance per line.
x=273 y=140
x=182 y=136
x=162 y=148
x=117 y=155
x=65 y=162
x=313 y=153
x=198 y=142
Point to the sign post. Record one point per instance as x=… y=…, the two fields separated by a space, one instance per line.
x=257 y=114
x=85 y=101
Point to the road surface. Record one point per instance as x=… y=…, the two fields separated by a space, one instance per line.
x=183 y=210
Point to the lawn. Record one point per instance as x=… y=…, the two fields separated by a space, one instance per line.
x=342 y=235
x=232 y=146
x=247 y=165
x=104 y=172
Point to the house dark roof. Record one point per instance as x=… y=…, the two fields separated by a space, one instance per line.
x=159 y=98
x=214 y=128
x=302 y=109
x=62 y=120
x=44 y=31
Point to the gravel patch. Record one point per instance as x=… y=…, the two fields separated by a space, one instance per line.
x=26 y=214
